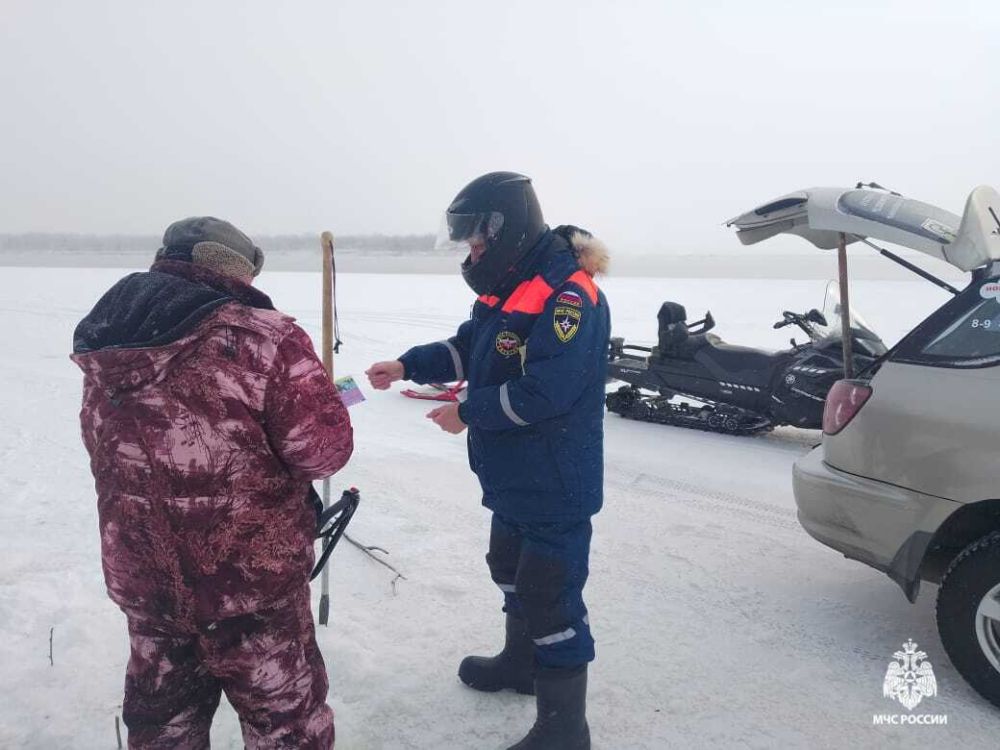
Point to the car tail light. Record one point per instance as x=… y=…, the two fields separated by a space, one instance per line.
x=843 y=402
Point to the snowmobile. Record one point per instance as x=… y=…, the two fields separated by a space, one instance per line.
x=692 y=378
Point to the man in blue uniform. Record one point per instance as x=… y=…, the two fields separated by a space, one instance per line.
x=534 y=353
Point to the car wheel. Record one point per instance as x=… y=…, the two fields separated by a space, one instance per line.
x=968 y=615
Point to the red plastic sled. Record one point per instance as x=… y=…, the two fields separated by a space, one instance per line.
x=440 y=392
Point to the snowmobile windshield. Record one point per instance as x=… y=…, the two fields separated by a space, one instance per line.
x=469 y=234
x=831 y=312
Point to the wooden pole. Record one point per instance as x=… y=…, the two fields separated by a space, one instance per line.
x=326 y=239
x=845 y=307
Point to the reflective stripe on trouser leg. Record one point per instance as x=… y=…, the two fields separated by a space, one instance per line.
x=551 y=574
x=502 y=559
x=552 y=640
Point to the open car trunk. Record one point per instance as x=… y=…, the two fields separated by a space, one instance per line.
x=820 y=214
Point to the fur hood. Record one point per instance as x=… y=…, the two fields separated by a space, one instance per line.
x=591 y=253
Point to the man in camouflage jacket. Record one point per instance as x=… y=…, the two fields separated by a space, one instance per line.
x=207 y=414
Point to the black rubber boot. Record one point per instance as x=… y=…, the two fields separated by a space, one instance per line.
x=561 y=695
x=512 y=669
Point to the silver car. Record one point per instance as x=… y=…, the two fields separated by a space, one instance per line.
x=904 y=480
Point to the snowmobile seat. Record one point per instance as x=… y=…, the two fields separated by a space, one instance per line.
x=739 y=360
x=693 y=343
x=672 y=330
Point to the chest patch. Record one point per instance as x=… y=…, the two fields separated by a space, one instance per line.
x=508 y=343
x=566 y=321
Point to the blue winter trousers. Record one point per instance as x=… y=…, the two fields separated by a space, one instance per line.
x=541 y=569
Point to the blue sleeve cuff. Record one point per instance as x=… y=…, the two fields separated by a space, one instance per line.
x=407 y=361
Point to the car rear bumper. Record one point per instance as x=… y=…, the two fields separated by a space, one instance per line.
x=879 y=524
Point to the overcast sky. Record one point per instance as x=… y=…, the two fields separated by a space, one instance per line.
x=648 y=122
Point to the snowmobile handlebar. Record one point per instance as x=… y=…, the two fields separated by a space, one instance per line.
x=803 y=320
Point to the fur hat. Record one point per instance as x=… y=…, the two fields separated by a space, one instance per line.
x=213 y=243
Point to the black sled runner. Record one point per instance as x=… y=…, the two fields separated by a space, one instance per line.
x=692 y=378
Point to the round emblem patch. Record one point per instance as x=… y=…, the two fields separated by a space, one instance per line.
x=508 y=343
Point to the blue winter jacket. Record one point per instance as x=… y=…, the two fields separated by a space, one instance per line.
x=536 y=365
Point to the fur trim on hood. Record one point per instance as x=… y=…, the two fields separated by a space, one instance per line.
x=591 y=254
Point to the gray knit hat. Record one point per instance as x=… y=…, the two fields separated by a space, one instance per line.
x=214 y=243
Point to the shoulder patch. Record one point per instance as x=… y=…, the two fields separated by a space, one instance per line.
x=566 y=322
x=570 y=298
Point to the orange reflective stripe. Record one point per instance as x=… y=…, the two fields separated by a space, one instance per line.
x=515 y=296
x=585 y=282
x=529 y=297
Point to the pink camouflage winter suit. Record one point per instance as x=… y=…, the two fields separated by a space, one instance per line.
x=207 y=414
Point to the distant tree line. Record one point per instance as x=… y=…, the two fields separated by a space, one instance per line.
x=278 y=243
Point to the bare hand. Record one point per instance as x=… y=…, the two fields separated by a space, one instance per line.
x=446 y=417
x=383 y=374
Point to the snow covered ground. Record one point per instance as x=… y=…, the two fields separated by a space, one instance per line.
x=720 y=623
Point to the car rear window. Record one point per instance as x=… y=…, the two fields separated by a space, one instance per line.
x=963 y=333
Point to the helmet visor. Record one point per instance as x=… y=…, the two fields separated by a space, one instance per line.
x=469 y=234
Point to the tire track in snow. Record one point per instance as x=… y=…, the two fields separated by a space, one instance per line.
x=661 y=487
x=773 y=620
x=776 y=622
x=47 y=312
x=414 y=320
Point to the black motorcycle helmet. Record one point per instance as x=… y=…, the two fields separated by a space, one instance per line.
x=496 y=221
